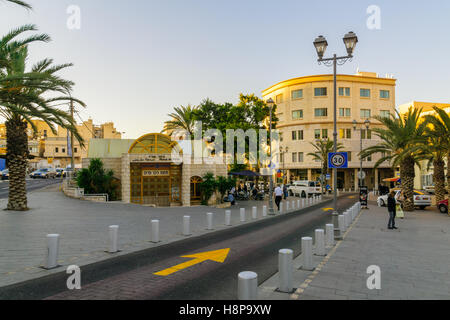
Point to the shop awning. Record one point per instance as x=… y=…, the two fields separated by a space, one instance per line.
x=396 y=179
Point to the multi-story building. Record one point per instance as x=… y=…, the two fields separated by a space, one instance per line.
x=305 y=109
x=44 y=144
x=424 y=173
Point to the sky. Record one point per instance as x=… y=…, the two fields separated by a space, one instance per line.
x=135 y=60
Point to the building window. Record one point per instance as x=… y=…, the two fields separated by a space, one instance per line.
x=321 y=112
x=320 y=92
x=349 y=156
x=344 y=92
x=366 y=134
x=297 y=94
x=294 y=157
x=365 y=93
x=325 y=133
x=345 y=112
x=297 y=114
x=385 y=114
x=56 y=149
x=384 y=94
x=63 y=150
x=75 y=150
x=300 y=135
x=345 y=133
x=279 y=99
x=300 y=157
x=317 y=134
x=294 y=135
x=365 y=113
x=280 y=136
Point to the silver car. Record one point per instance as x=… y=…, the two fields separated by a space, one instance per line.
x=421 y=200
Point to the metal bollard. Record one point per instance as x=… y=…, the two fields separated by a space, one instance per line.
x=255 y=213
x=228 y=217
x=155 y=231
x=285 y=270
x=51 y=260
x=247 y=286
x=113 y=236
x=330 y=235
x=186 y=226
x=264 y=211
x=320 y=242
x=209 y=220
x=243 y=217
x=307 y=256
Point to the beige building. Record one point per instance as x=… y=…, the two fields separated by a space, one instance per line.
x=305 y=109
x=153 y=170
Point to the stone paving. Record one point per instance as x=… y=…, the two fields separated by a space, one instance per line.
x=414 y=262
x=83 y=228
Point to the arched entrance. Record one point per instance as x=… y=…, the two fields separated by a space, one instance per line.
x=154 y=178
x=196 y=195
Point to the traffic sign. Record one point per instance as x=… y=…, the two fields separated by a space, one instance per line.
x=338 y=160
x=361 y=175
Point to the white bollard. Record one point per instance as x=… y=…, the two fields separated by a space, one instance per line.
x=243 y=217
x=307 y=256
x=51 y=260
x=228 y=217
x=285 y=270
x=113 y=237
x=320 y=242
x=209 y=220
x=264 y=211
x=346 y=220
x=247 y=286
x=255 y=213
x=293 y=204
x=341 y=221
x=303 y=203
x=186 y=226
x=287 y=206
x=330 y=235
x=281 y=207
x=298 y=204
x=310 y=201
x=155 y=231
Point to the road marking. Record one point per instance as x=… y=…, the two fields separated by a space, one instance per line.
x=327 y=209
x=217 y=256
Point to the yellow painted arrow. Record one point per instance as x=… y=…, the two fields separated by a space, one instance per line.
x=217 y=256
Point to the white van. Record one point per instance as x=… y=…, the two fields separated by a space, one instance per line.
x=305 y=189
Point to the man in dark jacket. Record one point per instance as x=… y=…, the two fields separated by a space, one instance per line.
x=391 y=205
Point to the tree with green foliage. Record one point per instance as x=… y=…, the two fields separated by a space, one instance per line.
x=207 y=187
x=96 y=180
x=224 y=184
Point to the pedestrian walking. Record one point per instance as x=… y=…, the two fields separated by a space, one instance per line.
x=392 y=208
x=278 y=196
x=285 y=192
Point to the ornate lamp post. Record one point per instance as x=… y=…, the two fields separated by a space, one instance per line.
x=321 y=44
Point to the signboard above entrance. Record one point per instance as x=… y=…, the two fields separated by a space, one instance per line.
x=155 y=158
x=155 y=173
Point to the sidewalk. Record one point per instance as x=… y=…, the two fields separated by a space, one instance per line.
x=414 y=261
x=83 y=228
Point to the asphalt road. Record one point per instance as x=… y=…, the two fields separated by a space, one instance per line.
x=32 y=184
x=253 y=248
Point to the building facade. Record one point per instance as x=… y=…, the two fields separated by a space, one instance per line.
x=305 y=109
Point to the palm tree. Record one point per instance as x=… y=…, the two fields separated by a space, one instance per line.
x=20 y=3
x=182 y=119
x=402 y=140
x=24 y=97
x=323 y=148
x=438 y=131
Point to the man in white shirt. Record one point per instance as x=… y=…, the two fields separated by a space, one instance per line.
x=278 y=196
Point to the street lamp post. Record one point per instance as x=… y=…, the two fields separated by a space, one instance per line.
x=367 y=125
x=321 y=44
x=270 y=104
x=283 y=152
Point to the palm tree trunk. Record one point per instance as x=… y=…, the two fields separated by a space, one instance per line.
x=17 y=161
x=439 y=179
x=448 y=173
x=407 y=176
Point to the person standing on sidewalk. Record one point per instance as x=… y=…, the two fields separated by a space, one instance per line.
x=278 y=196
x=392 y=208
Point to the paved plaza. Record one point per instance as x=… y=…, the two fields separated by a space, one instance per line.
x=414 y=261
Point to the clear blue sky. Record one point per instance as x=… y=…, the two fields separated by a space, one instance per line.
x=135 y=60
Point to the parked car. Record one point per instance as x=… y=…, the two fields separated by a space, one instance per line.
x=443 y=206
x=421 y=200
x=304 y=189
x=43 y=174
x=5 y=174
